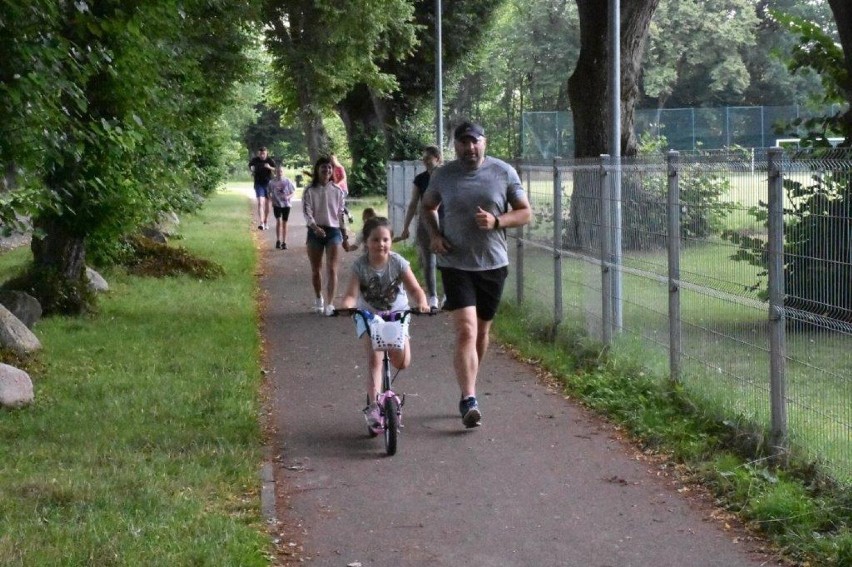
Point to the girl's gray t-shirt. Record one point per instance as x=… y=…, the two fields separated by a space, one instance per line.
x=492 y=186
x=381 y=290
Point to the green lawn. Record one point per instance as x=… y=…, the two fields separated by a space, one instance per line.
x=143 y=445
x=725 y=341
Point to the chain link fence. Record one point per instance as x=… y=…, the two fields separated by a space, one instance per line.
x=728 y=273
x=550 y=134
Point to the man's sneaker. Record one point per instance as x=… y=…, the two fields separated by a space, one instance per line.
x=283 y=246
x=329 y=310
x=265 y=226
x=318 y=305
x=433 y=302
x=373 y=417
x=469 y=409
x=260 y=226
x=277 y=244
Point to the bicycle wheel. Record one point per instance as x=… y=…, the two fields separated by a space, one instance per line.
x=391 y=410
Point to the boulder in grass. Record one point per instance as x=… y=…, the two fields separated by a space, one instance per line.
x=168 y=223
x=155 y=234
x=15 y=336
x=96 y=281
x=22 y=305
x=16 y=388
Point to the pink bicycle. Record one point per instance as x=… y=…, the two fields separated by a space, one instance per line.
x=387 y=332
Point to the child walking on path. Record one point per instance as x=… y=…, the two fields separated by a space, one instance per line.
x=280 y=191
x=369 y=213
x=381 y=281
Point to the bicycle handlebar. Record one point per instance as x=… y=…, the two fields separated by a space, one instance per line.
x=382 y=314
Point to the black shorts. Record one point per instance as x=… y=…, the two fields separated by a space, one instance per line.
x=480 y=289
x=282 y=213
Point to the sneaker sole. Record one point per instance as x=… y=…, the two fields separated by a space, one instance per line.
x=473 y=418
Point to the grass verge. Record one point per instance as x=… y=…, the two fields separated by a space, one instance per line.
x=803 y=514
x=143 y=445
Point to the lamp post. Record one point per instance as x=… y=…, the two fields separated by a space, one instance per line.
x=439 y=82
x=615 y=152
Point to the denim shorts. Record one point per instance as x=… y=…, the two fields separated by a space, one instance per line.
x=333 y=237
x=260 y=190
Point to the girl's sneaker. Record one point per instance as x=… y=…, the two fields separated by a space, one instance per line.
x=374 y=419
x=318 y=306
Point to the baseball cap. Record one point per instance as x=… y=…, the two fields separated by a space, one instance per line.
x=469 y=129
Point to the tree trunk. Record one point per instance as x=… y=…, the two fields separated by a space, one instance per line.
x=842 y=11
x=364 y=118
x=59 y=267
x=316 y=137
x=587 y=92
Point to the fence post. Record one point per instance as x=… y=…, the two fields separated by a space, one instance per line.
x=557 y=246
x=777 y=322
x=519 y=250
x=674 y=244
x=606 y=248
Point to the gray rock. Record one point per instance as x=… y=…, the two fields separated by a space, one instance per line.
x=16 y=388
x=96 y=281
x=155 y=234
x=168 y=223
x=22 y=305
x=15 y=336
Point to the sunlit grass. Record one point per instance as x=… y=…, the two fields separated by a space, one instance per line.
x=143 y=444
x=725 y=341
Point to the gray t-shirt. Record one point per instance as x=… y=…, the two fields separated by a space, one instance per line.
x=381 y=290
x=493 y=186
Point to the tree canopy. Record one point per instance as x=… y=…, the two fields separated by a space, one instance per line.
x=112 y=118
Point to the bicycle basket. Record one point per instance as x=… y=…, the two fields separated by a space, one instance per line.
x=388 y=335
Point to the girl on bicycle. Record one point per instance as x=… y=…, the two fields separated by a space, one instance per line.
x=381 y=281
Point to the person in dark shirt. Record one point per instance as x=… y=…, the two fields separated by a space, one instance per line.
x=431 y=159
x=262 y=167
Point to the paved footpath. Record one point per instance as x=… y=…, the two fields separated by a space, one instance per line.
x=542 y=483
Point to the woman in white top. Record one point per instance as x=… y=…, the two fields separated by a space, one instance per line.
x=323 y=204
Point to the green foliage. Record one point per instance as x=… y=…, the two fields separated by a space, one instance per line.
x=645 y=210
x=368 y=175
x=817 y=245
x=810 y=523
x=319 y=55
x=697 y=51
x=120 y=106
x=529 y=49
x=817 y=51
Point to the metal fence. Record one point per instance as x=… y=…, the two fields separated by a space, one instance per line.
x=731 y=276
x=549 y=134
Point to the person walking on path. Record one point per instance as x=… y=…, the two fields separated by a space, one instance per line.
x=431 y=159
x=381 y=280
x=480 y=197
x=323 y=205
x=281 y=191
x=367 y=214
x=339 y=174
x=261 y=167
